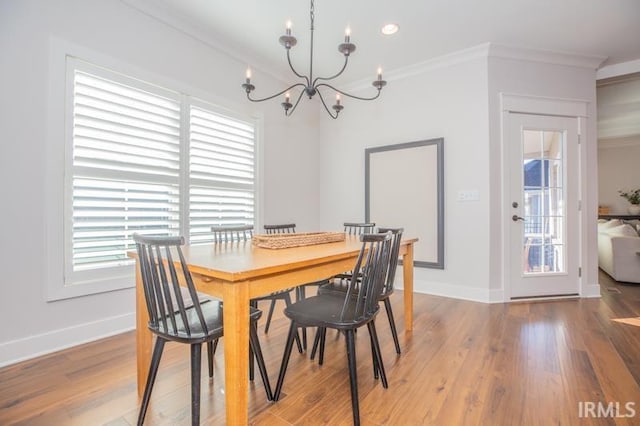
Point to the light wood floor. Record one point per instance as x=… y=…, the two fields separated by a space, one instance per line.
x=465 y=363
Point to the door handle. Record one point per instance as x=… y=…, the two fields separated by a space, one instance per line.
x=516 y=218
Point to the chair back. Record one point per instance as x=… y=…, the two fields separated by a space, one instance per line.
x=396 y=238
x=351 y=228
x=366 y=287
x=165 y=303
x=287 y=228
x=228 y=234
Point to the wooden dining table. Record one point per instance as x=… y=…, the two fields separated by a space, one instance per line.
x=237 y=272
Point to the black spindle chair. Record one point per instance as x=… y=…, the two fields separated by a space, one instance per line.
x=352 y=228
x=347 y=312
x=290 y=228
x=287 y=228
x=171 y=318
x=341 y=286
x=244 y=233
x=227 y=234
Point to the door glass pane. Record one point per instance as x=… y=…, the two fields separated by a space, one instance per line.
x=543 y=230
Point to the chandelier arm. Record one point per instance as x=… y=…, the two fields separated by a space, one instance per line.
x=294 y=70
x=315 y=80
x=360 y=98
x=288 y=113
x=325 y=106
x=276 y=95
x=312 y=19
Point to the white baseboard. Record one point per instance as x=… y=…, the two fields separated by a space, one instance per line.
x=591 y=290
x=473 y=294
x=41 y=344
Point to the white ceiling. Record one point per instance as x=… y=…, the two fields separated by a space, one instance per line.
x=249 y=29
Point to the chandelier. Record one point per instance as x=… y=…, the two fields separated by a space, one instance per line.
x=311 y=86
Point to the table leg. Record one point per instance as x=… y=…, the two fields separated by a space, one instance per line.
x=236 y=351
x=143 y=335
x=407 y=272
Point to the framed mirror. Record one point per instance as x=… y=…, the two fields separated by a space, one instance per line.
x=404 y=187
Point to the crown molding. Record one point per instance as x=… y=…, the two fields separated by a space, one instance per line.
x=616 y=70
x=489 y=50
x=444 y=61
x=545 y=56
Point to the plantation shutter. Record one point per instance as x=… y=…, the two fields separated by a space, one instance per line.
x=221 y=172
x=125 y=168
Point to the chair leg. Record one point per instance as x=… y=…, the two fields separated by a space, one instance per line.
x=215 y=346
x=253 y=327
x=210 y=352
x=392 y=323
x=272 y=307
x=151 y=378
x=323 y=338
x=371 y=325
x=287 y=301
x=374 y=357
x=300 y=295
x=316 y=341
x=293 y=331
x=196 y=352
x=257 y=350
x=353 y=375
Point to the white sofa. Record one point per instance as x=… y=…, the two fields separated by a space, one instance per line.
x=618 y=245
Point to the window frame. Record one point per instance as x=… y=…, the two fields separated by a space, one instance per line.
x=61 y=281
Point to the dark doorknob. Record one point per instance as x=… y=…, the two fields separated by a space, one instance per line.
x=516 y=218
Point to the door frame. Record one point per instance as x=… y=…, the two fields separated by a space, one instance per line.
x=535 y=105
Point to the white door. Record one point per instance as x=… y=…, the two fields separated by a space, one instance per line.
x=543 y=206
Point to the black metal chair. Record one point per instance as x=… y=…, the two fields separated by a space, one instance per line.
x=341 y=285
x=244 y=233
x=172 y=319
x=347 y=312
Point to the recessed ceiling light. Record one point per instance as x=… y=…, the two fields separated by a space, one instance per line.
x=389 y=29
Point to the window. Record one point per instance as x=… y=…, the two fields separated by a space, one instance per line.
x=221 y=172
x=148 y=160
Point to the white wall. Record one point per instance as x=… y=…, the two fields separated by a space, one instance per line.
x=115 y=31
x=618 y=169
x=446 y=98
x=457 y=97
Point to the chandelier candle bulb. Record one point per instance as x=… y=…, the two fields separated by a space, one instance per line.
x=288 y=28
x=337 y=98
x=347 y=35
x=248 y=75
x=379 y=73
x=287 y=97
